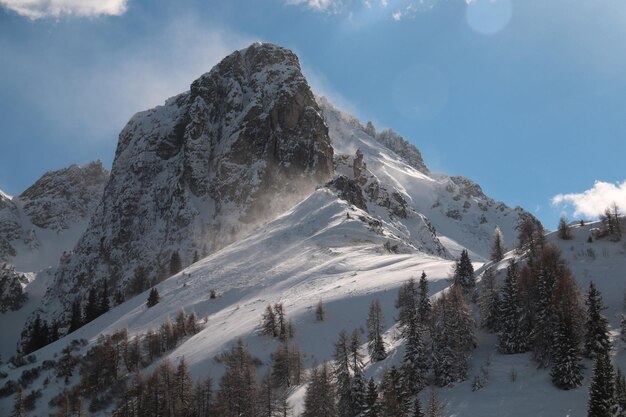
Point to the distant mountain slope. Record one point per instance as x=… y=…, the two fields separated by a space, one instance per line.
x=462 y=215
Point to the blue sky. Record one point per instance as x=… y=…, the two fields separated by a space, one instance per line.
x=527 y=97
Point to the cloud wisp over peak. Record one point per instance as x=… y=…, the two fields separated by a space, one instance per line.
x=39 y=9
x=595 y=200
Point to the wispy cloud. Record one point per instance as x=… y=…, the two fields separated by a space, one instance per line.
x=397 y=9
x=595 y=200
x=91 y=101
x=38 y=9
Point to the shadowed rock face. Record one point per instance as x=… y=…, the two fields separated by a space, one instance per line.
x=247 y=141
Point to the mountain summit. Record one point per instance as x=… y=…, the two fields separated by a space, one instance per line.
x=242 y=145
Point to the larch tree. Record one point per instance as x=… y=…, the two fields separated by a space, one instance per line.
x=375 y=329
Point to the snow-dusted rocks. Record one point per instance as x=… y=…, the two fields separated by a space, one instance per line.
x=47 y=218
x=244 y=144
x=12 y=296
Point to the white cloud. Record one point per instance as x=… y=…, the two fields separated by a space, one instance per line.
x=331 y=6
x=37 y=9
x=594 y=201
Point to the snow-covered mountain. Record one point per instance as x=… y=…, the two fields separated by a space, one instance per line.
x=47 y=219
x=283 y=197
x=36 y=229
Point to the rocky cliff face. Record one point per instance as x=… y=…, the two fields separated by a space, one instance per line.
x=46 y=216
x=246 y=142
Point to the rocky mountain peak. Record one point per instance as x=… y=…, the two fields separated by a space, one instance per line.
x=243 y=144
x=64 y=196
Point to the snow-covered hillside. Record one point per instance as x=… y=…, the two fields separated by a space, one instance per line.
x=240 y=167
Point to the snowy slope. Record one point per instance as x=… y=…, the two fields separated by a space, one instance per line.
x=323 y=248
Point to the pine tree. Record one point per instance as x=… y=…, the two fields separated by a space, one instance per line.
x=566 y=370
x=464 y=273
x=153 y=298
x=319 y=399
x=564 y=232
x=511 y=336
x=623 y=327
x=601 y=391
x=415 y=363
x=175 y=263
x=417 y=408
x=375 y=323
x=497 y=250
x=75 y=318
x=372 y=406
x=92 y=307
x=320 y=311
x=489 y=301
x=18 y=403
x=424 y=305
x=357 y=387
x=407 y=304
x=104 y=305
x=597 y=336
x=393 y=398
x=268 y=322
x=620 y=395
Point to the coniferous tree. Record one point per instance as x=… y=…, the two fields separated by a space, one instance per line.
x=375 y=323
x=623 y=327
x=92 y=308
x=511 y=336
x=268 y=322
x=393 y=401
x=281 y=321
x=104 y=304
x=566 y=370
x=597 y=336
x=424 y=305
x=153 y=297
x=320 y=311
x=342 y=376
x=372 y=406
x=319 y=399
x=119 y=297
x=18 y=403
x=75 y=318
x=407 y=304
x=464 y=273
x=620 y=395
x=238 y=387
x=540 y=276
x=183 y=390
x=564 y=232
x=601 y=391
x=175 y=263
x=497 y=250
x=357 y=387
x=415 y=362
x=435 y=406
x=489 y=301
x=203 y=398
x=417 y=408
